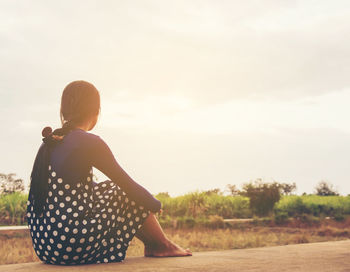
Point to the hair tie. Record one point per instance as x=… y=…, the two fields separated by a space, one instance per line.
x=46 y=132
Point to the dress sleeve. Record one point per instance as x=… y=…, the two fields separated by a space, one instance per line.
x=102 y=158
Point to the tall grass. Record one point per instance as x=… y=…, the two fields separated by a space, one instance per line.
x=206 y=208
x=320 y=206
x=13 y=209
x=199 y=204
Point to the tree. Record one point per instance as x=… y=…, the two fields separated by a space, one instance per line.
x=324 y=188
x=163 y=195
x=288 y=188
x=262 y=196
x=9 y=184
x=232 y=189
x=215 y=191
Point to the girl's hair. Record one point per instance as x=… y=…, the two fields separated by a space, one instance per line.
x=80 y=101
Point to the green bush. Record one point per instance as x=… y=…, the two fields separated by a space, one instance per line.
x=262 y=196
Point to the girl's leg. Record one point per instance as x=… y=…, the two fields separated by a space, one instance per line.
x=155 y=241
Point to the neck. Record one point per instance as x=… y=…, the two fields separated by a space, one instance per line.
x=85 y=127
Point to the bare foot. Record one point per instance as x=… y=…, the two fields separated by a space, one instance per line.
x=167 y=249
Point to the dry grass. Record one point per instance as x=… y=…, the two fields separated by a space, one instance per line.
x=18 y=249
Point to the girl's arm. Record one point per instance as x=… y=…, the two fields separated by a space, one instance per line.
x=103 y=159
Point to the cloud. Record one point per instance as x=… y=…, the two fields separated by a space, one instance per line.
x=207 y=51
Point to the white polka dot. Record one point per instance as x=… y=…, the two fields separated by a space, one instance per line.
x=84 y=230
x=54 y=186
x=62 y=205
x=74 y=203
x=50 y=193
x=59 y=180
x=66 y=186
x=49 y=180
x=57 y=212
x=63 y=237
x=59 y=245
x=52 y=220
x=64 y=217
x=87 y=187
x=75 y=258
x=53 y=174
x=65 y=257
x=81 y=208
x=75 y=214
x=120 y=254
x=72 y=240
x=88 y=179
x=51 y=241
x=66 y=229
x=55 y=233
x=41 y=227
x=73 y=192
x=75 y=231
x=69 y=210
x=56 y=253
x=49 y=167
x=79 y=249
x=59 y=225
x=68 y=249
x=60 y=192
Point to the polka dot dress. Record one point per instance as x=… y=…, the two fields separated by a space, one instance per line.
x=85 y=222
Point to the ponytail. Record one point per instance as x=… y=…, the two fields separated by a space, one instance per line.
x=40 y=174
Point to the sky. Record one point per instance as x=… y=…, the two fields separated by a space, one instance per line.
x=195 y=95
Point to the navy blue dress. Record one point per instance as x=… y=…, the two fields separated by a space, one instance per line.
x=83 y=221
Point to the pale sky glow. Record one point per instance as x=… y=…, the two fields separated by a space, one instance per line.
x=195 y=94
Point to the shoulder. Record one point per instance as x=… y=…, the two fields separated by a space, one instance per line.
x=86 y=139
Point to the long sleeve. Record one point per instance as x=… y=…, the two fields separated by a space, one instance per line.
x=102 y=158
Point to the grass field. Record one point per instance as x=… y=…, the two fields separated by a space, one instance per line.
x=18 y=248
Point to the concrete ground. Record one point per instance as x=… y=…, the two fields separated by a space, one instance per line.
x=325 y=256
